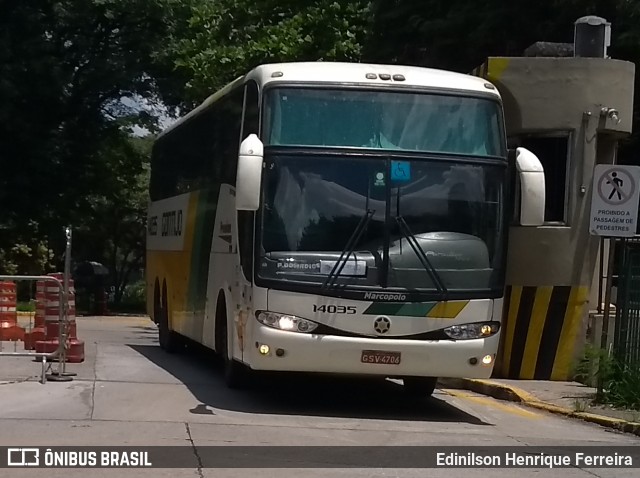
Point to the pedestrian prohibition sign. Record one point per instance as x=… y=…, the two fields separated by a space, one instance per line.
x=614 y=202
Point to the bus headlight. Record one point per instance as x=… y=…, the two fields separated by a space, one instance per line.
x=472 y=331
x=286 y=322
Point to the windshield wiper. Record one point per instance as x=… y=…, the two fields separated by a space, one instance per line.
x=348 y=249
x=424 y=260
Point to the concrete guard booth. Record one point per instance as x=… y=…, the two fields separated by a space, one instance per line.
x=571 y=112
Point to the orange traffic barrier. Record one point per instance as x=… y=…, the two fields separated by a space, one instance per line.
x=9 y=328
x=75 y=347
x=38 y=332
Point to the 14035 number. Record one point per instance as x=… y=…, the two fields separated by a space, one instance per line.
x=335 y=309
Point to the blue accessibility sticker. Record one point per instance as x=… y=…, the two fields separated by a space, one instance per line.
x=400 y=171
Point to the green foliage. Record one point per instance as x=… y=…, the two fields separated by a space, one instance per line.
x=135 y=293
x=594 y=364
x=116 y=218
x=65 y=149
x=459 y=35
x=29 y=254
x=64 y=66
x=133 y=299
x=226 y=38
x=26 y=307
x=623 y=388
x=620 y=381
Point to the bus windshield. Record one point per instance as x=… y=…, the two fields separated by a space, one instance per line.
x=313 y=204
x=409 y=121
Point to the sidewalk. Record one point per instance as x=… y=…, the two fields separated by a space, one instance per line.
x=571 y=399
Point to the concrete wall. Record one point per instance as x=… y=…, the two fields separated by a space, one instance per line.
x=550 y=268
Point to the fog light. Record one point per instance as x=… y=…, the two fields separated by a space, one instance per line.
x=473 y=361
x=263 y=349
x=487 y=359
x=279 y=352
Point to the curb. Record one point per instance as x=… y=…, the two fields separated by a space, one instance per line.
x=515 y=394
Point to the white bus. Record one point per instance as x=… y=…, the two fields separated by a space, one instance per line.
x=339 y=218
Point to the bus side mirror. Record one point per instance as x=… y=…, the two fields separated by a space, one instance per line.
x=530 y=177
x=249 y=174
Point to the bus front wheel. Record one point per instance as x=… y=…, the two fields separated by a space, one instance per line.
x=420 y=387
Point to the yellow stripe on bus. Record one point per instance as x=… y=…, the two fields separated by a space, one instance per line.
x=447 y=310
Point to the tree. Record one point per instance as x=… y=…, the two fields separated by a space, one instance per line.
x=114 y=228
x=226 y=38
x=459 y=35
x=65 y=67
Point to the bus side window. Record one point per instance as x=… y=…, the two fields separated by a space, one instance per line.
x=227 y=132
x=163 y=181
x=246 y=218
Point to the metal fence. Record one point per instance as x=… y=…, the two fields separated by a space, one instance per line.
x=626 y=343
x=59 y=354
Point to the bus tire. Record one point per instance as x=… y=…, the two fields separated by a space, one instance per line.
x=235 y=374
x=168 y=339
x=420 y=387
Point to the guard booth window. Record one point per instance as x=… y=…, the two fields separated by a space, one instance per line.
x=553 y=152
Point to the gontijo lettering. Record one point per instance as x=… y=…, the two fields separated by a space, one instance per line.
x=153 y=226
x=172 y=223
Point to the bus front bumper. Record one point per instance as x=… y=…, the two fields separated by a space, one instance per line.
x=277 y=350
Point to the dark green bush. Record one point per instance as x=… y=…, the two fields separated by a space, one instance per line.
x=620 y=381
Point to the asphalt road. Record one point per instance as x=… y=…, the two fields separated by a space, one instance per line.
x=129 y=392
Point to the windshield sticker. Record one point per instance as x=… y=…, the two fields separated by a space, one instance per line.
x=400 y=171
x=379 y=179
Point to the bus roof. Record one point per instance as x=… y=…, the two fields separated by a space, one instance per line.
x=367 y=74
x=363 y=74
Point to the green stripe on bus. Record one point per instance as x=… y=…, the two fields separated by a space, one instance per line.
x=445 y=310
x=406 y=309
x=201 y=248
x=384 y=308
x=417 y=310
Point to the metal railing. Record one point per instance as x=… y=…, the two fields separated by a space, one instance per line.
x=60 y=354
x=626 y=344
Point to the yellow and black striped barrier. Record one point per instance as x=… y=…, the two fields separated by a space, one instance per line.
x=541 y=330
x=492 y=69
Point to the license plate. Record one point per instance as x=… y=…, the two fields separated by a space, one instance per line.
x=380 y=357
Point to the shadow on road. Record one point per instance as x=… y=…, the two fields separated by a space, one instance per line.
x=299 y=394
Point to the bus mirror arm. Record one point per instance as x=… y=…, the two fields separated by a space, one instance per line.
x=249 y=174
x=530 y=176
